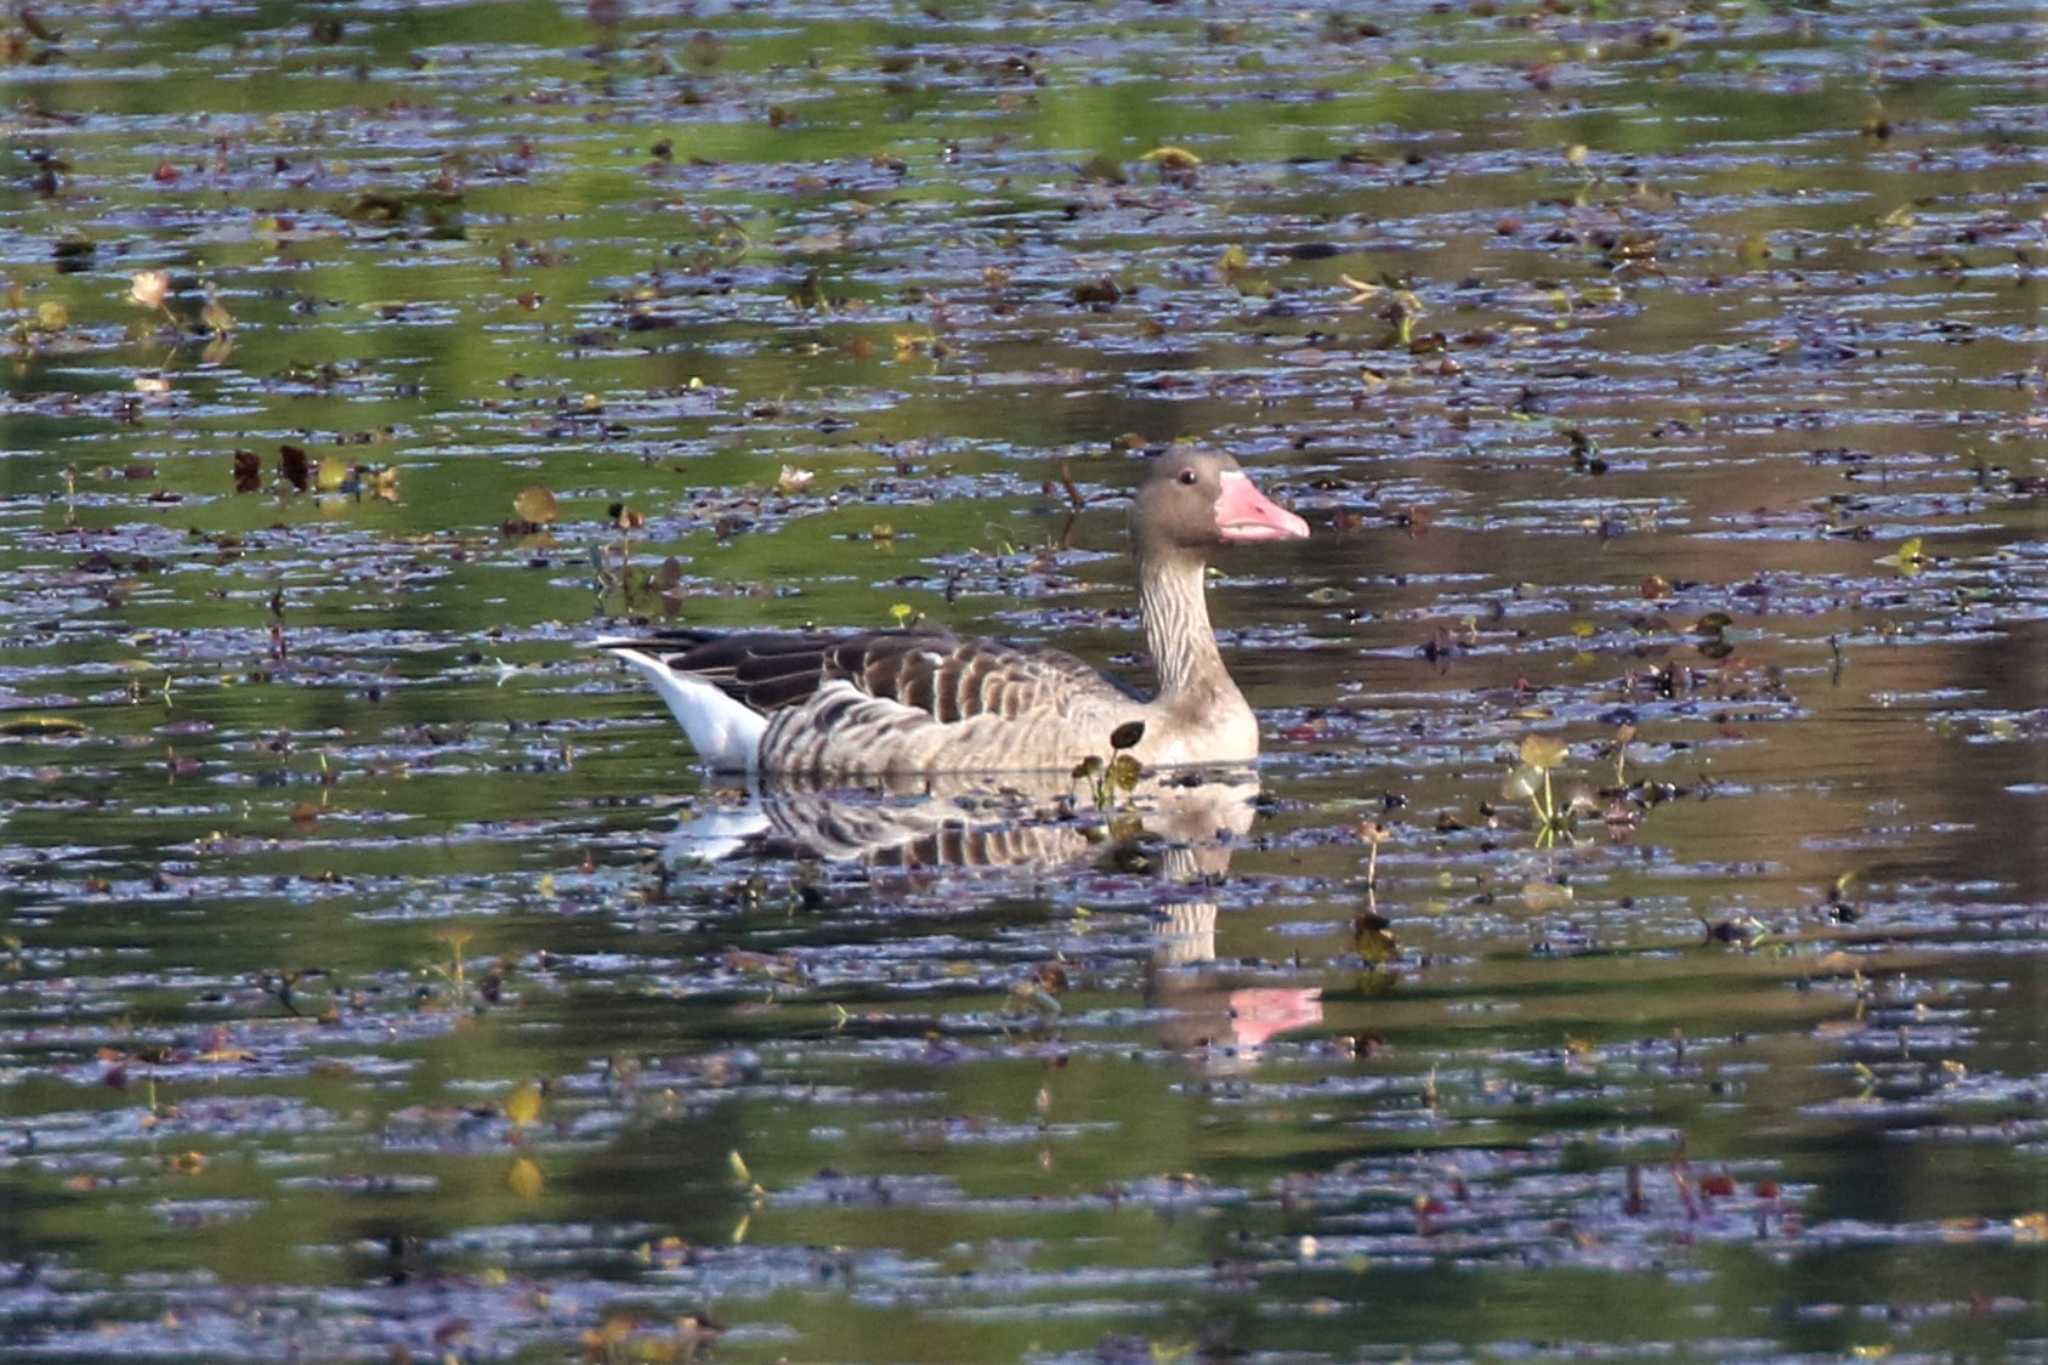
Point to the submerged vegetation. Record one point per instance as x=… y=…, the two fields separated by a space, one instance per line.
x=1641 y=895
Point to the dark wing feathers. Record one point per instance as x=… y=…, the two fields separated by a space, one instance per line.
x=932 y=671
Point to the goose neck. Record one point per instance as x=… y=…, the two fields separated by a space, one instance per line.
x=1176 y=615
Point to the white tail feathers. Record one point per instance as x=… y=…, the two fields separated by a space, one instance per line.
x=714 y=834
x=725 y=733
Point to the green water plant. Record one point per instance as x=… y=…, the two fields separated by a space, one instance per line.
x=1530 y=781
x=1910 y=559
x=453 y=973
x=1117 y=775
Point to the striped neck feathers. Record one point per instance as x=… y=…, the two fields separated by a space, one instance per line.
x=1176 y=614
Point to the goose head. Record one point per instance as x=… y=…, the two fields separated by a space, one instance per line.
x=1192 y=503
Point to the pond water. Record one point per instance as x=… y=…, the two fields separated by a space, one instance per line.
x=381 y=978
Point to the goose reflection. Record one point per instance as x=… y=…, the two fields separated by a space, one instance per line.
x=1181 y=826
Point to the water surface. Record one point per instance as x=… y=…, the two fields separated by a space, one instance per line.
x=382 y=977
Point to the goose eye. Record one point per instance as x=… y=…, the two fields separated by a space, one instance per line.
x=1188 y=476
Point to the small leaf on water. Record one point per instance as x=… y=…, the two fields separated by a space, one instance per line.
x=525 y=1179
x=1546 y=896
x=1172 y=158
x=536 y=503
x=52 y=315
x=1542 y=752
x=1362 y=291
x=737 y=1164
x=296 y=468
x=248 y=471
x=149 y=288
x=1102 y=291
x=522 y=1106
x=1104 y=170
x=1124 y=772
x=331 y=474
x=41 y=727
x=1910 y=559
x=793 y=479
x=1089 y=768
x=1127 y=735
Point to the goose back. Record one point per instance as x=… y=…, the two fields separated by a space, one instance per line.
x=899 y=700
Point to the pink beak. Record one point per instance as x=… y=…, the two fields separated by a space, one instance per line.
x=1244 y=514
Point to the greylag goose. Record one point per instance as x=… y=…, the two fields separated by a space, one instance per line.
x=885 y=702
